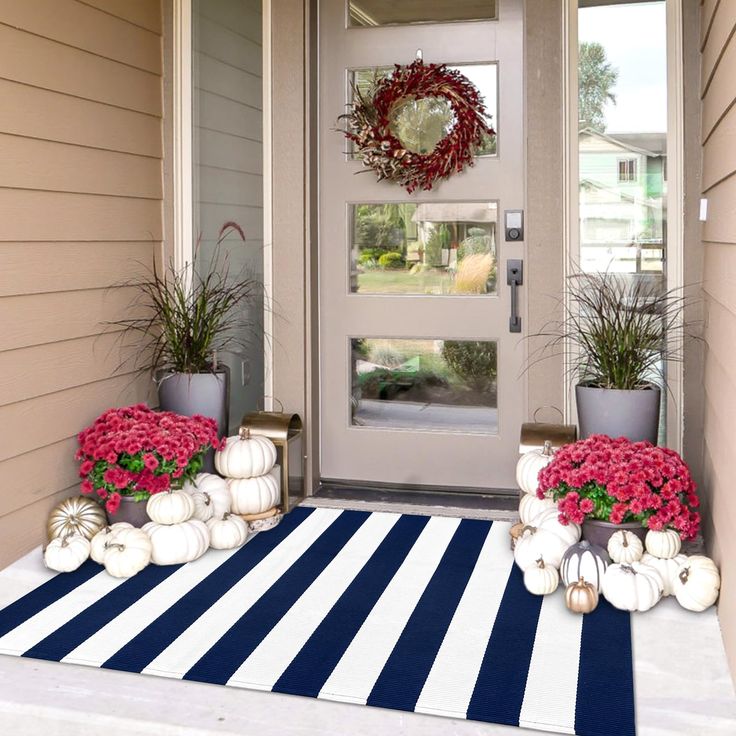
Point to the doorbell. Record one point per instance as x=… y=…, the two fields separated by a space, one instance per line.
x=514 y=225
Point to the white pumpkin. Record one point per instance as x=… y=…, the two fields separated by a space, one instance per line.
x=549 y=520
x=665 y=544
x=633 y=587
x=529 y=465
x=530 y=506
x=215 y=488
x=174 y=544
x=541 y=579
x=254 y=495
x=227 y=532
x=245 y=456
x=625 y=547
x=170 y=507
x=97 y=545
x=127 y=552
x=697 y=583
x=534 y=544
x=667 y=568
x=66 y=554
x=584 y=561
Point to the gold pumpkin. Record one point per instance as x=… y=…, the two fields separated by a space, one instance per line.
x=76 y=515
x=581 y=597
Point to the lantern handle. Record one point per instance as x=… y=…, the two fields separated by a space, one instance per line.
x=261 y=404
x=547 y=406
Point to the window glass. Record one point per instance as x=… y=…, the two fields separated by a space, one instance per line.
x=371 y=13
x=423 y=248
x=227 y=111
x=434 y=385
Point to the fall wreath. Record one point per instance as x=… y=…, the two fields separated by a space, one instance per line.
x=371 y=124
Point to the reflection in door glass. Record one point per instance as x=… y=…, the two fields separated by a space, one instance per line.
x=368 y=13
x=426 y=248
x=436 y=385
x=483 y=76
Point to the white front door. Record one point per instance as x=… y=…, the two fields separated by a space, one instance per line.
x=421 y=379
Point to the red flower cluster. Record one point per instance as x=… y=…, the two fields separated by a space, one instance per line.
x=618 y=480
x=135 y=451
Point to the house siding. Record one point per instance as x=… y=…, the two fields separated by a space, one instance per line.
x=718 y=93
x=80 y=215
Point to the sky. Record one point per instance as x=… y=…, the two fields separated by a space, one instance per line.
x=634 y=37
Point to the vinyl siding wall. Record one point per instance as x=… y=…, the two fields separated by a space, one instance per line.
x=718 y=92
x=80 y=213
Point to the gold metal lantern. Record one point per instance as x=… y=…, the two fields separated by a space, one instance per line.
x=535 y=434
x=76 y=515
x=285 y=431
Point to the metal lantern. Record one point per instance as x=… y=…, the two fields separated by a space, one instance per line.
x=285 y=431
x=535 y=434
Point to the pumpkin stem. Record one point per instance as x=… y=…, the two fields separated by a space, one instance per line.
x=540 y=563
x=207 y=498
x=527 y=528
x=547 y=449
x=244 y=433
x=626 y=539
x=111 y=545
x=684 y=575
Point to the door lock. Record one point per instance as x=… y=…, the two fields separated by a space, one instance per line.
x=514 y=278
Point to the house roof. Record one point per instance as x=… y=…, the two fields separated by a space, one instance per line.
x=646 y=144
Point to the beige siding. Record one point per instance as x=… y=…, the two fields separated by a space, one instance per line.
x=80 y=207
x=718 y=89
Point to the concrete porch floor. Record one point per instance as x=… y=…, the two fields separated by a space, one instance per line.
x=683 y=687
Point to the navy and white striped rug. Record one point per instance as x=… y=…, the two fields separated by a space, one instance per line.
x=415 y=613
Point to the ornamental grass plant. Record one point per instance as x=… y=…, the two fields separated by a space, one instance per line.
x=193 y=314
x=618 y=331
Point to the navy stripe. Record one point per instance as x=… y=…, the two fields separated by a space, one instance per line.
x=312 y=666
x=43 y=596
x=499 y=689
x=402 y=678
x=142 y=649
x=605 y=667
x=69 y=636
x=234 y=647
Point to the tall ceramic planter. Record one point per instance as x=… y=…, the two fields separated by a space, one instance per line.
x=630 y=414
x=599 y=532
x=207 y=394
x=130 y=510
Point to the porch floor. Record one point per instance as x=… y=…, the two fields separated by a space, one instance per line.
x=682 y=681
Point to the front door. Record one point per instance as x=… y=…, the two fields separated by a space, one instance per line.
x=421 y=379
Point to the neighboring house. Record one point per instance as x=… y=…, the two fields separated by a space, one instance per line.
x=622 y=190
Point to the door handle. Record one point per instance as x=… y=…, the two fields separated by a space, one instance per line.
x=514 y=278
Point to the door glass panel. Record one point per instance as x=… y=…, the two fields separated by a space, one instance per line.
x=368 y=13
x=420 y=122
x=446 y=248
x=436 y=385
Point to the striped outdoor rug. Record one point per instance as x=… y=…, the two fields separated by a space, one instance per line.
x=417 y=613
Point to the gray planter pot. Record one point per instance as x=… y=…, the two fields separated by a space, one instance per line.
x=207 y=394
x=630 y=414
x=130 y=510
x=599 y=532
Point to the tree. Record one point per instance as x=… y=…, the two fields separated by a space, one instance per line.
x=596 y=79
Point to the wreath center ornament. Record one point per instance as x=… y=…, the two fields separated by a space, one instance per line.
x=419 y=125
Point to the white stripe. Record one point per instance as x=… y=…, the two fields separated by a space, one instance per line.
x=274 y=654
x=357 y=671
x=123 y=628
x=451 y=681
x=185 y=651
x=62 y=610
x=552 y=683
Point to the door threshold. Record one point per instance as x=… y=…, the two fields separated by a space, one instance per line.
x=499 y=505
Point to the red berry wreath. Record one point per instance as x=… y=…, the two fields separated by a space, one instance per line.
x=370 y=118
